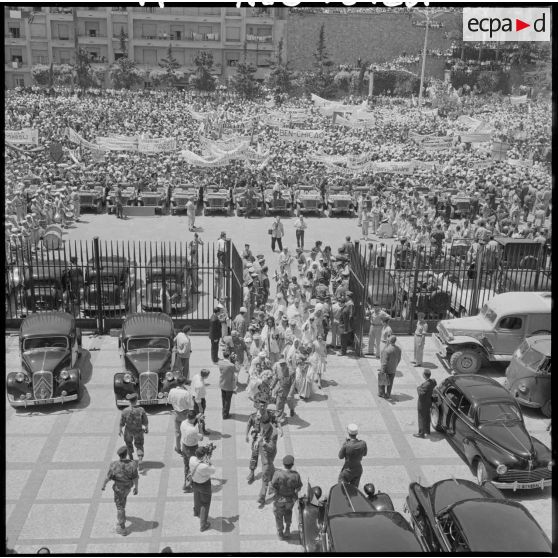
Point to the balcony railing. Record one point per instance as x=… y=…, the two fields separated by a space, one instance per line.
x=259 y=38
x=12 y=36
x=184 y=37
x=115 y=9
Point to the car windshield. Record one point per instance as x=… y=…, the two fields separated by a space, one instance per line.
x=45 y=343
x=531 y=357
x=499 y=412
x=148 y=343
x=487 y=313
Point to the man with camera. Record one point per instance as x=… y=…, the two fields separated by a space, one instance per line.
x=191 y=436
x=201 y=471
x=352 y=451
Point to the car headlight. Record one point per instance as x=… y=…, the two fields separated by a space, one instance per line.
x=64 y=375
x=20 y=377
x=169 y=376
x=501 y=469
x=522 y=388
x=127 y=378
x=550 y=465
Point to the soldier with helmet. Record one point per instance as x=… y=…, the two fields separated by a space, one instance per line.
x=286 y=483
x=124 y=474
x=135 y=424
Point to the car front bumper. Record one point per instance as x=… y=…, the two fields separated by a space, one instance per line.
x=41 y=402
x=440 y=345
x=542 y=484
x=162 y=401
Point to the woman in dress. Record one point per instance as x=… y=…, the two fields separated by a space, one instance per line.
x=318 y=360
x=304 y=377
x=270 y=340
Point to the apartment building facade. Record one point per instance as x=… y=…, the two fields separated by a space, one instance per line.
x=45 y=34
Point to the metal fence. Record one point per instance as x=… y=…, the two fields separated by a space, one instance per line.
x=102 y=282
x=455 y=281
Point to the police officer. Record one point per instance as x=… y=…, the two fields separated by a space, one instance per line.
x=268 y=450
x=124 y=473
x=283 y=389
x=254 y=430
x=352 y=451
x=134 y=422
x=286 y=483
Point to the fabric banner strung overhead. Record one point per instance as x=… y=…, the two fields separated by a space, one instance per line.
x=518 y=99
x=25 y=136
x=475 y=138
x=200 y=116
x=156 y=145
x=469 y=122
x=290 y=134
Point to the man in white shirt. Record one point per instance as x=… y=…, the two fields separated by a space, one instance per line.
x=183 y=345
x=182 y=402
x=201 y=468
x=190 y=437
x=198 y=393
x=300 y=227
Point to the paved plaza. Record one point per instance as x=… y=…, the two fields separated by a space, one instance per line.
x=56 y=459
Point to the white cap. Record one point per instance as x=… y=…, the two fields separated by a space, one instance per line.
x=352 y=428
x=243 y=309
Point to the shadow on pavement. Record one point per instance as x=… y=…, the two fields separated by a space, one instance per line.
x=429 y=365
x=218 y=435
x=298 y=422
x=395 y=397
x=147 y=465
x=139 y=525
x=224 y=524
x=240 y=417
x=85 y=366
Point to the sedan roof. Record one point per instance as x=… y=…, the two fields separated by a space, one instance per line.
x=377 y=532
x=499 y=526
x=48 y=323
x=449 y=491
x=147 y=324
x=479 y=388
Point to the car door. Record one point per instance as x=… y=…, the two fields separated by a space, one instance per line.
x=509 y=333
x=75 y=350
x=464 y=421
x=449 y=419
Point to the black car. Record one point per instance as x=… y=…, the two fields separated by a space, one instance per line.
x=50 y=346
x=172 y=273
x=117 y=284
x=145 y=343
x=484 y=424
x=350 y=522
x=44 y=287
x=457 y=515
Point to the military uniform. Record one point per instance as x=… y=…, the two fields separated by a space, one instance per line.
x=284 y=390
x=420 y=338
x=286 y=484
x=123 y=473
x=133 y=419
x=352 y=451
x=268 y=450
x=423 y=405
x=255 y=429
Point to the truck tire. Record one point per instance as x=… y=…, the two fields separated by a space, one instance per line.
x=466 y=361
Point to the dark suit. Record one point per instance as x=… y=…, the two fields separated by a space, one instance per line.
x=391 y=356
x=423 y=405
x=352 y=451
x=214 y=336
x=346 y=326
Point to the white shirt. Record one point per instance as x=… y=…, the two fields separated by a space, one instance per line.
x=180 y=399
x=183 y=345
x=201 y=471
x=198 y=387
x=190 y=435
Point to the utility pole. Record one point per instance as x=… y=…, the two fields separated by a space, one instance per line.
x=428 y=15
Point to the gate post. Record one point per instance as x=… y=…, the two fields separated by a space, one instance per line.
x=227 y=273
x=473 y=308
x=98 y=284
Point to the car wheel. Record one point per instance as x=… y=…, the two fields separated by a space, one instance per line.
x=481 y=472
x=546 y=409
x=466 y=362
x=436 y=418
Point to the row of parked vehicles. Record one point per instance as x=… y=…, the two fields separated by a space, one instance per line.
x=113 y=289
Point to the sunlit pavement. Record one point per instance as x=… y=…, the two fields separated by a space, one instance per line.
x=56 y=459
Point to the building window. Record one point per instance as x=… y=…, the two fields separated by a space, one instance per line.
x=91 y=29
x=117 y=28
x=232 y=60
x=118 y=55
x=210 y=11
x=233 y=33
x=39 y=56
x=65 y=57
x=148 y=31
x=150 y=56
x=263 y=59
x=38 y=30
x=19 y=80
x=14 y=31
x=63 y=32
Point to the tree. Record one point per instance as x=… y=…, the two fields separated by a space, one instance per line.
x=170 y=65
x=203 y=80
x=41 y=74
x=244 y=82
x=122 y=38
x=322 y=78
x=280 y=78
x=82 y=68
x=124 y=73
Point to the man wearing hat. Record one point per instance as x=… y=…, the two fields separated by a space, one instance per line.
x=352 y=451
x=283 y=389
x=267 y=447
x=424 y=403
x=375 y=333
x=239 y=323
x=346 y=323
x=287 y=483
x=124 y=473
x=134 y=422
x=391 y=356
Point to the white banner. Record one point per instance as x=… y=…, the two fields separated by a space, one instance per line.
x=156 y=145
x=419 y=138
x=475 y=138
x=25 y=136
x=469 y=122
x=122 y=143
x=290 y=134
x=200 y=115
x=518 y=99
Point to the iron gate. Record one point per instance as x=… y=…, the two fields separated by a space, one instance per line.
x=102 y=282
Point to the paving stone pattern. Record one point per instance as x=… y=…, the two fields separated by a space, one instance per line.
x=56 y=460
